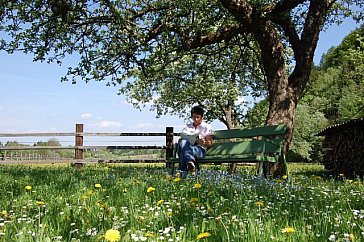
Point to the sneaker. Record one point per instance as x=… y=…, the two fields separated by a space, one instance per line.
x=191 y=167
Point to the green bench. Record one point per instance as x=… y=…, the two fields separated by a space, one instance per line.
x=254 y=145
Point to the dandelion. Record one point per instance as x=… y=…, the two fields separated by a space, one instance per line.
x=284 y=177
x=259 y=203
x=351 y=237
x=160 y=202
x=84 y=197
x=150 y=235
x=177 y=179
x=4 y=213
x=203 y=235
x=112 y=235
x=28 y=188
x=97 y=185
x=288 y=230
x=125 y=190
x=150 y=189
x=39 y=203
x=197 y=186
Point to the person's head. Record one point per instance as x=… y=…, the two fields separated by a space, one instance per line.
x=197 y=113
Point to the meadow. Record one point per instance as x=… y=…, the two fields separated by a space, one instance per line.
x=144 y=203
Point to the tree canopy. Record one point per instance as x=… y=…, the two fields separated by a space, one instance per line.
x=154 y=40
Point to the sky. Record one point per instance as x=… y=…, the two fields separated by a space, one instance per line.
x=33 y=99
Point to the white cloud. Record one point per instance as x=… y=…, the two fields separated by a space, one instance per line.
x=109 y=124
x=144 y=125
x=86 y=115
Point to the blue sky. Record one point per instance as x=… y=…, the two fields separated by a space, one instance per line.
x=32 y=98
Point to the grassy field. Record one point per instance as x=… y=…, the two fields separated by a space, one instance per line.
x=143 y=203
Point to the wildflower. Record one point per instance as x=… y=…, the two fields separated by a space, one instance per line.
x=194 y=200
x=288 y=230
x=197 y=185
x=150 y=189
x=160 y=202
x=284 y=177
x=341 y=174
x=203 y=235
x=112 y=235
x=39 y=203
x=332 y=237
x=28 y=188
x=4 y=214
x=318 y=177
x=84 y=197
x=177 y=179
x=90 y=192
x=150 y=235
x=259 y=203
x=279 y=180
x=125 y=190
x=97 y=185
x=169 y=213
x=351 y=237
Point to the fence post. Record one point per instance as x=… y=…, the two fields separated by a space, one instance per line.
x=169 y=145
x=79 y=142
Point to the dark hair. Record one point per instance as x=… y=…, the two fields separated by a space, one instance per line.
x=197 y=110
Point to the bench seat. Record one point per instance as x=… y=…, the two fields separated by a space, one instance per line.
x=255 y=145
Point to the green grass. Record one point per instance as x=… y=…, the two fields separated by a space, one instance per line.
x=309 y=205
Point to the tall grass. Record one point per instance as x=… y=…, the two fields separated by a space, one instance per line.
x=144 y=203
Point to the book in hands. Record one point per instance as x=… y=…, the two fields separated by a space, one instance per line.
x=190 y=137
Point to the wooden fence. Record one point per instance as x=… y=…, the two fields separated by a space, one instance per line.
x=79 y=146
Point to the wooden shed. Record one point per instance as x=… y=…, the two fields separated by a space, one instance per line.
x=343 y=148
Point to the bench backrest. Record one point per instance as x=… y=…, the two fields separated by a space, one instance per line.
x=269 y=141
x=266 y=131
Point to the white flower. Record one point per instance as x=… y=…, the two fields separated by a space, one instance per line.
x=332 y=237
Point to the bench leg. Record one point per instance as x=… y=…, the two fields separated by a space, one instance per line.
x=261 y=168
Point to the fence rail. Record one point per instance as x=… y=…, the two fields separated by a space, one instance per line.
x=79 y=146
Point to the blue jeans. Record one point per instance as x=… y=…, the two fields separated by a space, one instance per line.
x=188 y=152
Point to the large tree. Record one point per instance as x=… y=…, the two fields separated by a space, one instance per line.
x=127 y=39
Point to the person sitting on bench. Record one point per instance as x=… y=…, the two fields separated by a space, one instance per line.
x=189 y=150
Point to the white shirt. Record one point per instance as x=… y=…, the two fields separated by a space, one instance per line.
x=203 y=130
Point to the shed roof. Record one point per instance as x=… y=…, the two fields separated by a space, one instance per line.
x=337 y=127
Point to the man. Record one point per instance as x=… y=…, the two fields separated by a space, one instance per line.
x=188 y=152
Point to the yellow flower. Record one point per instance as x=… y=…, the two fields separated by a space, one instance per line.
x=4 y=213
x=90 y=192
x=259 y=203
x=28 y=188
x=351 y=237
x=203 y=235
x=125 y=190
x=40 y=203
x=84 y=197
x=318 y=177
x=160 y=202
x=194 y=200
x=150 y=235
x=341 y=174
x=279 y=180
x=112 y=235
x=197 y=185
x=288 y=230
x=97 y=185
x=177 y=179
x=284 y=177
x=169 y=214
x=150 y=189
